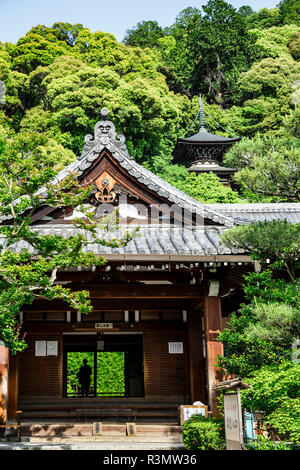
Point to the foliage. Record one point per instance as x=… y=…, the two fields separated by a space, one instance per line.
x=144 y=34
x=264 y=18
x=205 y=187
x=262 y=332
x=265 y=443
x=264 y=91
x=269 y=167
x=73 y=94
x=215 y=47
x=273 y=42
x=275 y=390
x=278 y=323
x=200 y=433
x=40 y=46
x=294 y=45
x=110 y=372
x=289 y=11
x=243 y=354
x=268 y=287
x=277 y=241
x=27 y=184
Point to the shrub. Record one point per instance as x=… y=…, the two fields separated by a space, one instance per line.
x=264 y=443
x=200 y=433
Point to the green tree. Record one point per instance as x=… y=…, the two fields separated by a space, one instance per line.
x=26 y=184
x=40 y=46
x=289 y=11
x=205 y=187
x=144 y=34
x=68 y=32
x=211 y=50
x=73 y=94
x=277 y=241
x=294 y=45
x=265 y=93
x=264 y=18
x=274 y=41
x=275 y=390
x=268 y=167
x=263 y=331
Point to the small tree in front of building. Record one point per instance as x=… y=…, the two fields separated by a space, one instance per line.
x=29 y=261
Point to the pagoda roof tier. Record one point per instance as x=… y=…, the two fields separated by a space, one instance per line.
x=202 y=147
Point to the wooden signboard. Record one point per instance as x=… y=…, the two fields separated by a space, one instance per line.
x=233 y=422
x=131 y=429
x=97 y=429
x=186 y=411
x=104 y=326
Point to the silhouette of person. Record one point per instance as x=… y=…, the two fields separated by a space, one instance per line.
x=84 y=376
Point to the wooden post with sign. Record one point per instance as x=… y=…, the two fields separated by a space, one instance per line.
x=233 y=413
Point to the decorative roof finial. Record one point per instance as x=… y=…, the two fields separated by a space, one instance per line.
x=202 y=116
x=104 y=113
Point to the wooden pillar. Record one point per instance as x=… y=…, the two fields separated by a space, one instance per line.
x=213 y=326
x=13 y=388
x=196 y=359
x=3 y=382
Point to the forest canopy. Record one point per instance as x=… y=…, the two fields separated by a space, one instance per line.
x=245 y=65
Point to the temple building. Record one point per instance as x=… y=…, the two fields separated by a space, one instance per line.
x=160 y=301
x=203 y=152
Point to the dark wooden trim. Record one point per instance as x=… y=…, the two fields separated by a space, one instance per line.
x=141 y=291
x=13 y=387
x=196 y=359
x=112 y=304
x=213 y=326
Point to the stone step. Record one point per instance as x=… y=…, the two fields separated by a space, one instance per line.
x=91 y=446
x=86 y=429
x=94 y=439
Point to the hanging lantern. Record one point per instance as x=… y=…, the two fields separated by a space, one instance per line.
x=100 y=344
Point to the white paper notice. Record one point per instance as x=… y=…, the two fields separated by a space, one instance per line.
x=40 y=348
x=175 y=348
x=52 y=348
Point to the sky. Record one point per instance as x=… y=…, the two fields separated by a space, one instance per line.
x=111 y=16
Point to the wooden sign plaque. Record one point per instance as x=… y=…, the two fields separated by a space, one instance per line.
x=97 y=429
x=186 y=411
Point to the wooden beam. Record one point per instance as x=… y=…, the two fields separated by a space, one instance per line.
x=13 y=387
x=124 y=276
x=141 y=291
x=213 y=326
x=196 y=359
x=113 y=304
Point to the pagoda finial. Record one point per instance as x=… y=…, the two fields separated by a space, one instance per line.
x=202 y=116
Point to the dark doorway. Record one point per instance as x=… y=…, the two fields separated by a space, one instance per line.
x=116 y=369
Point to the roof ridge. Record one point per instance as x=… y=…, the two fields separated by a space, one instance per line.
x=105 y=137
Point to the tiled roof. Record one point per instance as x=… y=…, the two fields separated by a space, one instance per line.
x=248 y=213
x=164 y=239
x=150 y=240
